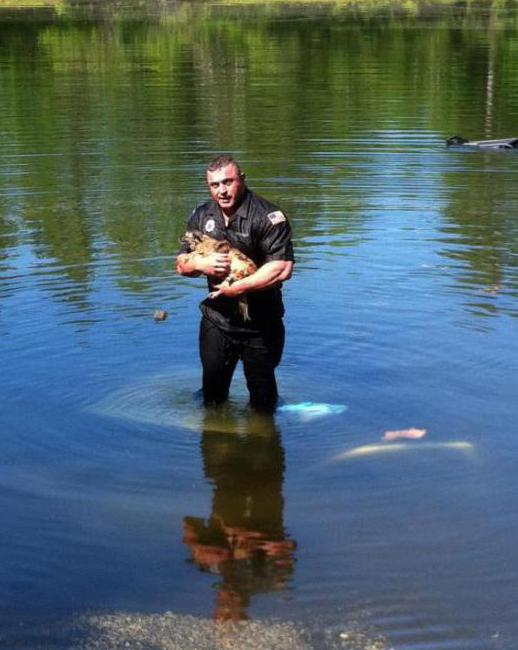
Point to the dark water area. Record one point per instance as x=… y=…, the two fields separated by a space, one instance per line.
x=120 y=496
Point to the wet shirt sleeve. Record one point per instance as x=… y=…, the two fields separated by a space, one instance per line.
x=275 y=238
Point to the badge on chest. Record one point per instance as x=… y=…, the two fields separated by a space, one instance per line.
x=210 y=225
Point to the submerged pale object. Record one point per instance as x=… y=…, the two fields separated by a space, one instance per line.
x=413 y=434
x=312 y=410
x=372 y=450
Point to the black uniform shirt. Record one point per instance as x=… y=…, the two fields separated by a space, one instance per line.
x=259 y=230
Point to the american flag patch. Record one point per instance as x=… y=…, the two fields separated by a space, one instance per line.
x=276 y=217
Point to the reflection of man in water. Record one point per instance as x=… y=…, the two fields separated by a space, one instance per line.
x=244 y=540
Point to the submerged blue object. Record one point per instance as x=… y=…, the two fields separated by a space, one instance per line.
x=311 y=410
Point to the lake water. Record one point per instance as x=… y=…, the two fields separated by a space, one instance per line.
x=124 y=503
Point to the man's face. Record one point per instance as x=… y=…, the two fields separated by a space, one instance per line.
x=226 y=187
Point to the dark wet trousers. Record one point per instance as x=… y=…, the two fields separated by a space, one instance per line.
x=260 y=354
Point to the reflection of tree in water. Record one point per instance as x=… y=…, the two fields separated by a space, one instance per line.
x=244 y=540
x=479 y=232
x=126 y=111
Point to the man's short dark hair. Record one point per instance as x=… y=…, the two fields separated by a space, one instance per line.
x=222 y=161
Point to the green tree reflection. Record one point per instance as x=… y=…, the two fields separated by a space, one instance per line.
x=110 y=121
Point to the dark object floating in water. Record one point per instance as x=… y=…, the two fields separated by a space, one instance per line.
x=504 y=143
x=160 y=315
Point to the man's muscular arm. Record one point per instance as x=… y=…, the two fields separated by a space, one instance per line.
x=267 y=276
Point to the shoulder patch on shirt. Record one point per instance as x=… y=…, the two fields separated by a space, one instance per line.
x=210 y=225
x=276 y=217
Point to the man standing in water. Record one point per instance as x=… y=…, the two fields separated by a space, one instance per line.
x=261 y=231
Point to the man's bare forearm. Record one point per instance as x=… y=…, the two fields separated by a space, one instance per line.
x=186 y=264
x=269 y=275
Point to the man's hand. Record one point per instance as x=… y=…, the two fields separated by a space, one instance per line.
x=215 y=264
x=230 y=290
x=193 y=264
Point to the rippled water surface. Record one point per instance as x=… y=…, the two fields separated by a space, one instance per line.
x=121 y=498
